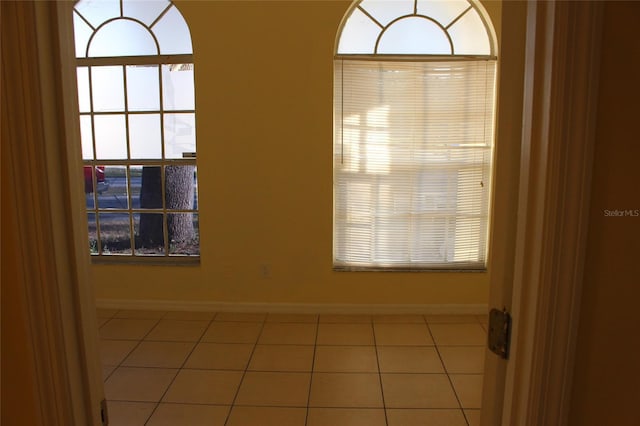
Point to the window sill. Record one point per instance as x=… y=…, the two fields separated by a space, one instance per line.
x=344 y=268
x=146 y=260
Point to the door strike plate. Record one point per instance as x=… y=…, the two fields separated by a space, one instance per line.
x=499 y=332
x=104 y=414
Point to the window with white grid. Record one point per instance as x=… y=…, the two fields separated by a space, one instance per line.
x=414 y=110
x=137 y=123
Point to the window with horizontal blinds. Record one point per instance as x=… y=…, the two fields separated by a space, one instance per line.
x=412 y=163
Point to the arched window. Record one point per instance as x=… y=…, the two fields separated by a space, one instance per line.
x=414 y=128
x=137 y=119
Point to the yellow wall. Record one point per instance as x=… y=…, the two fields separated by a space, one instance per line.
x=264 y=92
x=606 y=387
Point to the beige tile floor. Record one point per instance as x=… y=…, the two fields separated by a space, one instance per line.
x=236 y=369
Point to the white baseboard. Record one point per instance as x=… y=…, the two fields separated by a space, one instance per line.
x=294 y=308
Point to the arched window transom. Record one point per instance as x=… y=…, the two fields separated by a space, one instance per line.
x=129 y=28
x=416 y=27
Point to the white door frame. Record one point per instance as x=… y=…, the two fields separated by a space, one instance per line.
x=562 y=67
x=41 y=141
x=557 y=146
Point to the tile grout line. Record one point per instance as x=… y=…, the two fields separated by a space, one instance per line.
x=139 y=341
x=313 y=364
x=436 y=346
x=179 y=369
x=244 y=372
x=100 y=339
x=375 y=348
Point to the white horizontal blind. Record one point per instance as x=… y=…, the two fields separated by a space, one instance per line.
x=412 y=163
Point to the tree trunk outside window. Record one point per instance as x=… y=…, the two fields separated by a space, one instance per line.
x=179 y=195
x=150 y=233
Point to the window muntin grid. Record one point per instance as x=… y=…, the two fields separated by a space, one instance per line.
x=416 y=27
x=137 y=119
x=129 y=28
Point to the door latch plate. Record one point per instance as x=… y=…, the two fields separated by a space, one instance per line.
x=499 y=332
x=104 y=415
